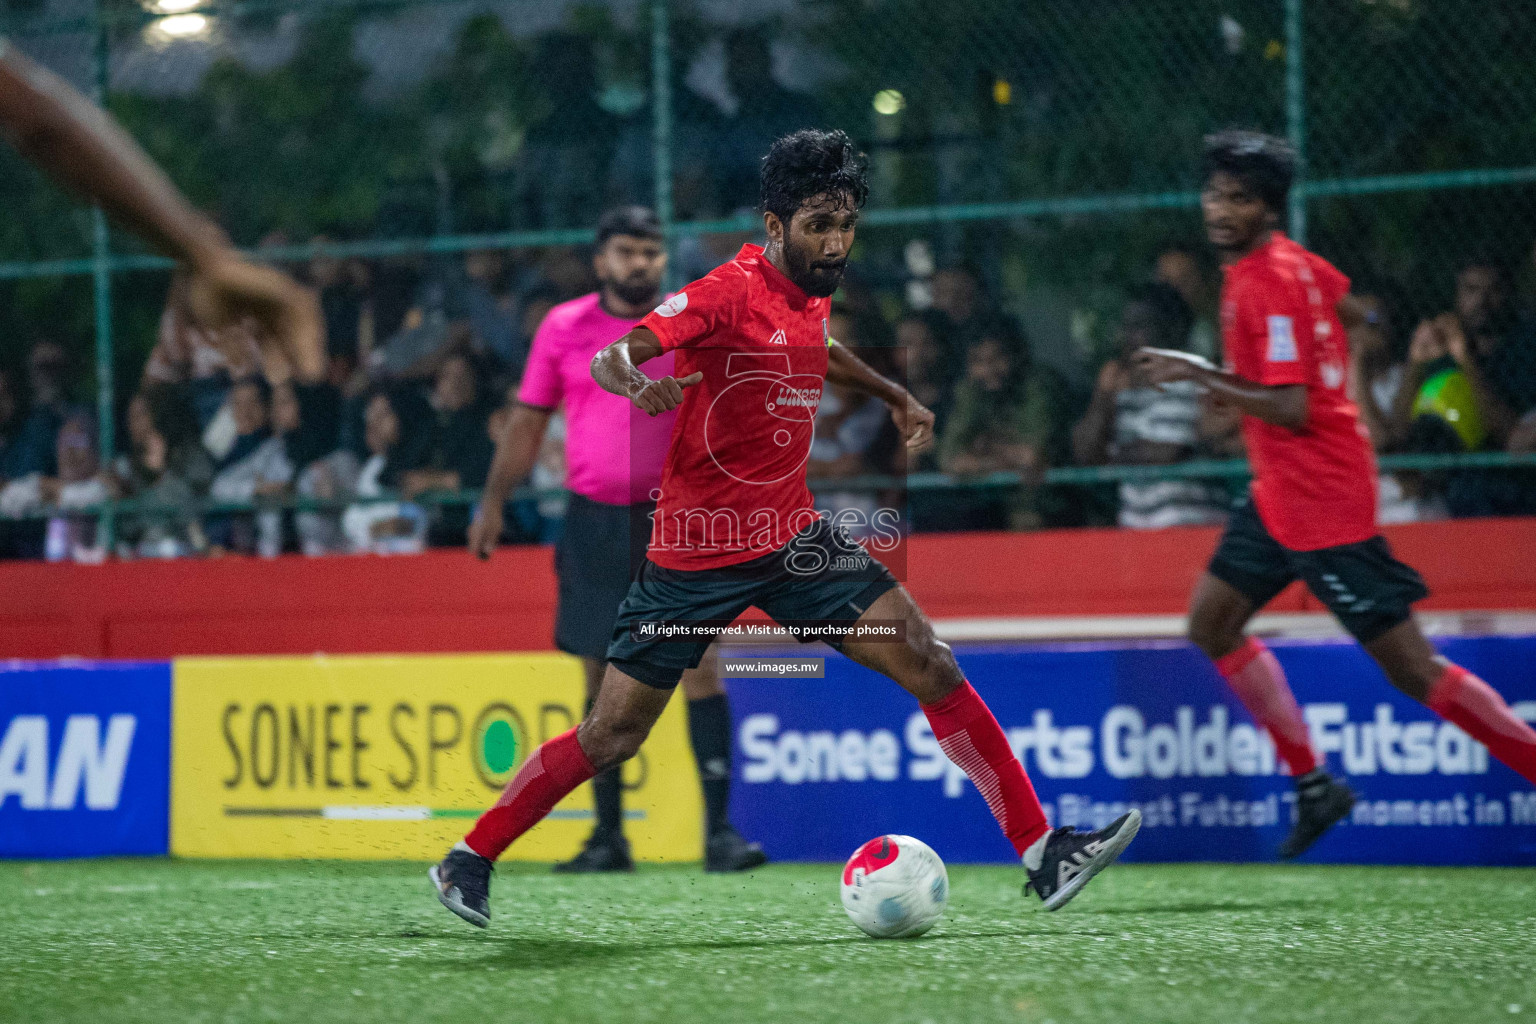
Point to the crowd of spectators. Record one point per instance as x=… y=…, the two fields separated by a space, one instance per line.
x=219 y=452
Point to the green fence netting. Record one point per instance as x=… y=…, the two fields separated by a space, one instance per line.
x=1045 y=150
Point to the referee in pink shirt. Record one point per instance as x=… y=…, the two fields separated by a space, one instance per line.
x=614 y=454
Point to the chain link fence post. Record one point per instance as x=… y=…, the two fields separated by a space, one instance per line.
x=1296 y=116
x=661 y=109
x=101 y=278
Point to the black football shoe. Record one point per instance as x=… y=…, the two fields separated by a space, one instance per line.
x=463 y=883
x=726 y=850
x=1322 y=801
x=605 y=851
x=1071 y=858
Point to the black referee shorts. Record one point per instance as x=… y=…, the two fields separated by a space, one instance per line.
x=792 y=585
x=1363 y=585
x=600 y=550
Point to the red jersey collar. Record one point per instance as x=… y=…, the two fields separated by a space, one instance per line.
x=751 y=253
x=1275 y=236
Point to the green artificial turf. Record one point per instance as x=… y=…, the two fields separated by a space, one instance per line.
x=163 y=942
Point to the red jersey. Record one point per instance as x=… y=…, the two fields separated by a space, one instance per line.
x=733 y=487
x=1314 y=487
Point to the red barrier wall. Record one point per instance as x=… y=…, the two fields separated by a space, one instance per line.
x=448 y=601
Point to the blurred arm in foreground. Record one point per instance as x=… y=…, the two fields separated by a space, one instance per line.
x=79 y=145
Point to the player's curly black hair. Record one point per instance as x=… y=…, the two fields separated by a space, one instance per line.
x=810 y=163
x=1264 y=163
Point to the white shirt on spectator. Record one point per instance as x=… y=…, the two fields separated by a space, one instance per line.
x=1166 y=415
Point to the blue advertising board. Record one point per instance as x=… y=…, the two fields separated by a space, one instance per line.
x=85 y=753
x=822 y=765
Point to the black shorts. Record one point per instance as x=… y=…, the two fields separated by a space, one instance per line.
x=787 y=585
x=1366 y=589
x=600 y=551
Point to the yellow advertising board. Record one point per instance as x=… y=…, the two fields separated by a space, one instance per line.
x=394 y=757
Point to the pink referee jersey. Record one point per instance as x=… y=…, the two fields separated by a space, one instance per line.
x=613 y=451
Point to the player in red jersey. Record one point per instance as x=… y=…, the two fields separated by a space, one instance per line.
x=1311 y=513
x=735 y=527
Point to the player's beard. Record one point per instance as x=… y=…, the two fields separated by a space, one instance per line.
x=816 y=279
x=636 y=291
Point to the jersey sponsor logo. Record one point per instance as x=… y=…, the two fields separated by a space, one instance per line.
x=673 y=306
x=90 y=761
x=1282 y=340
x=791 y=399
x=779 y=338
x=806 y=398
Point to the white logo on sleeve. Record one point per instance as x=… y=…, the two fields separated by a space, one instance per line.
x=1282 y=340
x=675 y=305
x=779 y=338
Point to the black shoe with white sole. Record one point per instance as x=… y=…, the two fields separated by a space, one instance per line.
x=1322 y=801
x=726 y=850
x=463 y=883
x=604 y=851
x=1071 y=858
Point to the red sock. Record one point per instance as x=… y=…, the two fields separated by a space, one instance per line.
x=971 y=737
x=556 y=768
x=1460 y=697
x=1259 y=682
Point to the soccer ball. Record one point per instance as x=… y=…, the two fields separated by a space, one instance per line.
x=895 y=887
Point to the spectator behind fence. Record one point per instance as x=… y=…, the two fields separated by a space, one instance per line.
x=346 y=302
x=255 y=466
x=308 y=421
x=10 y=427
x=1473 y=372
x=854 y=437
x=32 y=454
x=926 y=372
x=963 y=310
x=1180 y=266
x=1133 y=423
x=165 y=466
x=484 y=298
x=48 y=406
x=75 y=483
x=1007 y=416
x=534 y=520
x=428 y=332
x=458 y=449
x=1481 y=340
x=392 y=427
x=1378 y=383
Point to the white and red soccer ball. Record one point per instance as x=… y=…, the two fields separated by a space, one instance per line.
x=895 y=887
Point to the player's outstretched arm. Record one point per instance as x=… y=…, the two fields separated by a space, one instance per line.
x=913 y=419
x=81 y=147
x=1284 y=405
x=516 y=451
x=617 y=369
